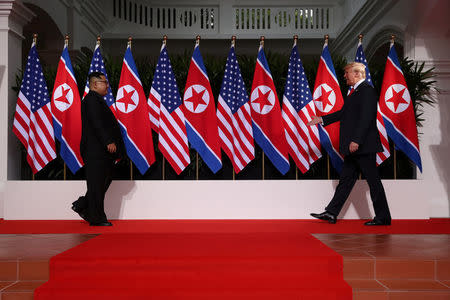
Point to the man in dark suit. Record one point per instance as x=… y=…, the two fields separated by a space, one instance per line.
x=359 y=141
x=101 y=145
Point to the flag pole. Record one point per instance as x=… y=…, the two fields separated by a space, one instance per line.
x=233 y=44
x=163 y=158
x=295 y=45
x=261 y=44
x=197 y=43
x=131 y=162
x=395 y=151
x=66 y=44
x=326 y=37
x=98 y=40
x=35 y=43
x=360 y=37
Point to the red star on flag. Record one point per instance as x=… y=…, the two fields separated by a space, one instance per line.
x=397 y=99
x=63 y=97
x=324 y=98
x=197 y=98
x=126 y=99
x=262 y=99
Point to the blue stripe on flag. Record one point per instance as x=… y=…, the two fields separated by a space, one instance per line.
x=65 y=152
x=277 y=160
x=336 y=160
x=402 y=143
x=133 y=153
x=328 y=61
x=66 y=57
x=393 y=56
x=197 y=56
x=130 y=61
x=262 y=59
x=199 y=145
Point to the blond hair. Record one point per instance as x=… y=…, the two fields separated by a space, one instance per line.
x=357 y=68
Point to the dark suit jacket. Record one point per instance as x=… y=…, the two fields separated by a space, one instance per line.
x=99 y=129
x=358 y=118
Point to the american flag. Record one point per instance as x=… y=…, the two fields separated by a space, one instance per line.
x=166 y=116
x=233 y=113
x=298 y=107
x=33 y=118
x=381 y=156
x=97 y=65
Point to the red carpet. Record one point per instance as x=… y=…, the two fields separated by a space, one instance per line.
x=432 y=226
x=248 y=265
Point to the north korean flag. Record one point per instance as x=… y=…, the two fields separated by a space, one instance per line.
x=200 y=113
x=397 y=109
x=66 y=112
x=132 y=114
x=267 y=123
x=328 y=99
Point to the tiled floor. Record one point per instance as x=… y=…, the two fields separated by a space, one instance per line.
x=393 y=267
x=24 y=260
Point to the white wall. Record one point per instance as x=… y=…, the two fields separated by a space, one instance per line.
x=253 y=199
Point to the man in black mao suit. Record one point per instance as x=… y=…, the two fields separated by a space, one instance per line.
x=359 y=141
x=101 y=145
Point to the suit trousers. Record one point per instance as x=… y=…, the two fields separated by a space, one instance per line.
x=98 y=179
x=353 y=165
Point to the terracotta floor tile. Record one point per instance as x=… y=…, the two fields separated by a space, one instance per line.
x=354 y=254
x=413 y=269
x=4 y=284
x=419 y=295
x=370 y=295
x=365 y=284
x=412 y=285
x=8 y=270
x=359 y=268
x=445 y=282
x=443 y=269
x=24 y=286
x=17 y=296
x=33 y=270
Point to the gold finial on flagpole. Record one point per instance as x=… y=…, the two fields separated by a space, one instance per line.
x=165 y=39
x=360 y=37
x=66 y=40
x=233 y=41
x=392 y=39
x=35 y=38
x=197 y=40
x=129 y=41
x=295 y=40
x=326 y=37
x=98 y=40
x=261 y=40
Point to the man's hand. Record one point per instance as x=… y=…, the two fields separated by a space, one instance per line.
x=111 y=148
x=353 y=147
x=315 y=120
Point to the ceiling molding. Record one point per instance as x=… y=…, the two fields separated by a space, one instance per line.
x=362 y=21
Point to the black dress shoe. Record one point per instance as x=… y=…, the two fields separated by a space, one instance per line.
x=377 y=223
x=101 y=224
x=80 y=213
x=326 y=216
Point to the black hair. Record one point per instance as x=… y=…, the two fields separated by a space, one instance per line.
x=96 y=75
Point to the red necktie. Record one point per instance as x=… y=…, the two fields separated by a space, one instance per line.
x=351 y=91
